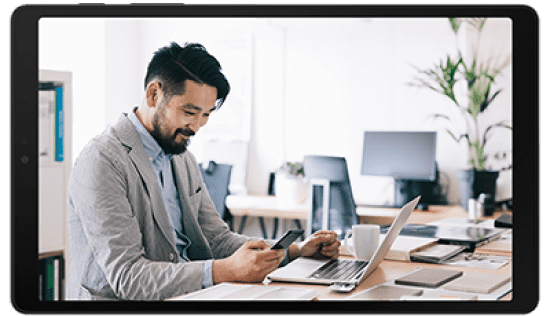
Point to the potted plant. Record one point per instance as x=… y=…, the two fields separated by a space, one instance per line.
x=290 y=186
x=475 y=78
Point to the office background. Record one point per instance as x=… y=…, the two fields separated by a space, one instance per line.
x=299 y=86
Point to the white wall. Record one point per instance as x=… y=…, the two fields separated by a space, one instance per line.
x=78 y=46
x=298 y=86
x=495 y=42
x=130 y=47
x=123 y=72
x=346 y=77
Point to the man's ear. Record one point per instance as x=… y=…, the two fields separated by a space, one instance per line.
x=152 y=94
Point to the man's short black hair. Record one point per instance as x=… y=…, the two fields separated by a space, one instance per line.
x=173 y=65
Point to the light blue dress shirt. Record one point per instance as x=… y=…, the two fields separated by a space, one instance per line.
x=162 y=167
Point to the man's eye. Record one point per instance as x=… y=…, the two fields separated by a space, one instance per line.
x=190 y=113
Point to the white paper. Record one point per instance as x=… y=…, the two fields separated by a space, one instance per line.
x=250 y=292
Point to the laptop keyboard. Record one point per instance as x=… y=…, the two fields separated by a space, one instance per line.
x=339 y=269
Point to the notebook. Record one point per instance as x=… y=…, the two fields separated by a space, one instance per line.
x=428 y=277
x=478 y=282
x=349 y=271
x=385 y=292
x=496 y=247
x=441 y=296
x=404 y=247
x=229 y=291
x=437 y=253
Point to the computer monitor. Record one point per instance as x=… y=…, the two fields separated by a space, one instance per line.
x=406 y=156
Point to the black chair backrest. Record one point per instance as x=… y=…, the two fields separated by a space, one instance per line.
x=342 y=207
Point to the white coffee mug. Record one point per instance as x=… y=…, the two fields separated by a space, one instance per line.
x=365 y=240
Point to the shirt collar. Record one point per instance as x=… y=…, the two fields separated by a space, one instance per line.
x=154 y=151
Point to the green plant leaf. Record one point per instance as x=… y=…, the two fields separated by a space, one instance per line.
x=443 y=76
x=488 y=100
x=458 y=139
x=477 y=23
x=292 y=168
x=455 y=24
x=473 y=163
x=440 y=78
x=443 y=116
x=501 y=124
x=478 y=161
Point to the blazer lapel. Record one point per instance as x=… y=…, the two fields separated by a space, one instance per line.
x=130 y=138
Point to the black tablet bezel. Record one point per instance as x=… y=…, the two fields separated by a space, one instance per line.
x=24 y=149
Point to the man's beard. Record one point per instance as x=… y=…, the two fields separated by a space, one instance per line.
x=168 y=142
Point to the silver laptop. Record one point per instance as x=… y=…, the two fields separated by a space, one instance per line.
x=348 y=271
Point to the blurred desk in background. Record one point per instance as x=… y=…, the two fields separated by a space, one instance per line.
x=267 y=206
x=264 y=206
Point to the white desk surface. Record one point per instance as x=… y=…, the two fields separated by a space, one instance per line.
x=268 y=206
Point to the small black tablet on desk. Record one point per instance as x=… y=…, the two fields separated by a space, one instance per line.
x=452 y=235
x=504 y=220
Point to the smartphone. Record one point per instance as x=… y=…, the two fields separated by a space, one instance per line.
x=287 y=239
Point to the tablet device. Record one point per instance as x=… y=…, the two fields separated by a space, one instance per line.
x=75 y=33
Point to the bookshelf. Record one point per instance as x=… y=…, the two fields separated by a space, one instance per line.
x=55 y=160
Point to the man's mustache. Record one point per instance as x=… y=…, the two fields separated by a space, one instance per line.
x=185 y=132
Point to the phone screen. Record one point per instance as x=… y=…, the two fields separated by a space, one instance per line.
x=287 y=239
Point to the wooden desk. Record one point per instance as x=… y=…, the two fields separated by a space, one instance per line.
x=267 y=206
x=264 y=206
x=388 y=270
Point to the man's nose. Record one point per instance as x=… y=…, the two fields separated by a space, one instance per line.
x=195 y=124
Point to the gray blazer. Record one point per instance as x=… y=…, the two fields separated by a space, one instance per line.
x=121 y=240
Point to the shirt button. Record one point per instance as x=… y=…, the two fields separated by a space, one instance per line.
x=171 y=257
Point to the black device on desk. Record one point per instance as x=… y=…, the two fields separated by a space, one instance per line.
x=504 y=220
x=287 y=239
x=452 y=235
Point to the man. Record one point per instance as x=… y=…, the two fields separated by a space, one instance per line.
x=141 y=223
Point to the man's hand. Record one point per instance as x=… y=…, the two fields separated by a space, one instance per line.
x=323 y=242
x=250 y=263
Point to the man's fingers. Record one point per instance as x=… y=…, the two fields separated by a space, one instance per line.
x=331 y=250
x=325 y=236
x=332 y=246
x=326 y=242
x=317 y=239
x=269 y=260
x=256 y=244
x=272 y=254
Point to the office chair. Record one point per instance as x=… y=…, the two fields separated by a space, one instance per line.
x=216 y=177
x=331 y=203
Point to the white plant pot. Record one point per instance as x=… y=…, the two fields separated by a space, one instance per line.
x=290 y=191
